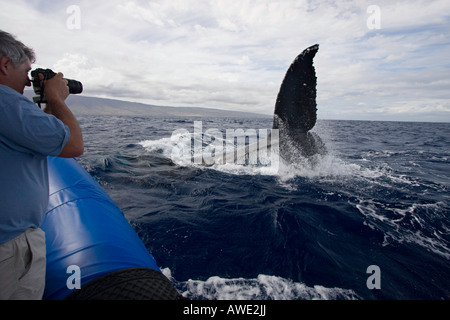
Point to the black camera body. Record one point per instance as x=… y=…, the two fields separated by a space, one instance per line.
x=75 y=87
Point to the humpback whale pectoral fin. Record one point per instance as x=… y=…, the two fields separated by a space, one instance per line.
x=296 y=109
x=296 y=100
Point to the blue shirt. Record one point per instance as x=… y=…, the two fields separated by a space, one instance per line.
x=27 y=137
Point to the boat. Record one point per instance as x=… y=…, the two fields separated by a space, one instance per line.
x=93 y=253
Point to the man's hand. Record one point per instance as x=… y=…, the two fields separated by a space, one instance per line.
x=56 y=91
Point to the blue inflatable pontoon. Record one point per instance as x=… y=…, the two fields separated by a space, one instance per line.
x=87 y=232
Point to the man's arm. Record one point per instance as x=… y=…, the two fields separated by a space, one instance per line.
x=56 y=92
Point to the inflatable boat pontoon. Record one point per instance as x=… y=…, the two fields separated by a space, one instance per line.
x=87 y=236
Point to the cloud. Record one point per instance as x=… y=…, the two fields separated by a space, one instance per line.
x=233 y=54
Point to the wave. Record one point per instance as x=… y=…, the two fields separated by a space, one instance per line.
x=420 y=224
x=264 y=287
x=179 y=149
x=372 y=187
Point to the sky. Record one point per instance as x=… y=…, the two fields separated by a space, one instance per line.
x=378 y=59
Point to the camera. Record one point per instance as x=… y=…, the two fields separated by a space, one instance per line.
x=75 y=86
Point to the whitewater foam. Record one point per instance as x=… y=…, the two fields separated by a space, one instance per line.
x=264 y=287
x=406 y=224
x=179 y=149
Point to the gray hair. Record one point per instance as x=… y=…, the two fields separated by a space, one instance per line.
x=14 y=49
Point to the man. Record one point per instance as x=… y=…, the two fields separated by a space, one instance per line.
x=27 y=136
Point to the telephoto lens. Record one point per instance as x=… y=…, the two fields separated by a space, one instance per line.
x=75 y=86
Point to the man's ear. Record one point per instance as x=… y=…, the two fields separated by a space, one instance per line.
x=5 y=65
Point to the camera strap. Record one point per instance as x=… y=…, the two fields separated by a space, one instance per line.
x=41 y=94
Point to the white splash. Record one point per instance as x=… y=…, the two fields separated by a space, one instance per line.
x=264 y=287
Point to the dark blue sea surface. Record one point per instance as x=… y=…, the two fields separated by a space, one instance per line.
x=309 y=230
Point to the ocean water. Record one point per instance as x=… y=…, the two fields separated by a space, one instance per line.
x=369 y=220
